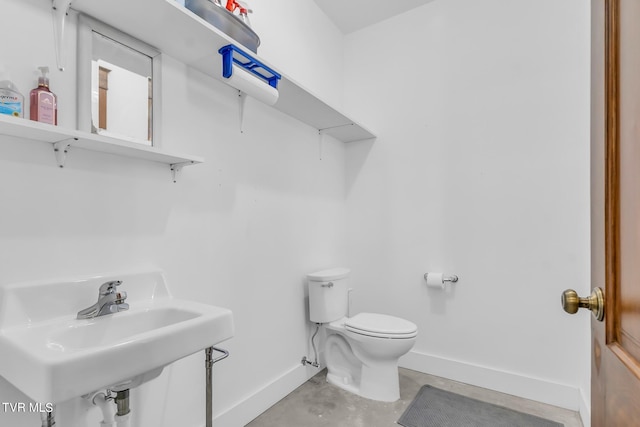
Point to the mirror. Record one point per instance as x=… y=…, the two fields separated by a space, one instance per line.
x=118 y=83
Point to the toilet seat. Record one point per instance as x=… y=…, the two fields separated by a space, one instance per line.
x=381 y=326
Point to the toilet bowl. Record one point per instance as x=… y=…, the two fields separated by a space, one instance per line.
x=362 y=351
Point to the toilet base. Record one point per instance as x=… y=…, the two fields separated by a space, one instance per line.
x=366 y=365
x=371 y=379
x=341 y=381
x=379 y=383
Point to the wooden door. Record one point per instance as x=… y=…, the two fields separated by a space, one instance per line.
x=615 y=211
x=103 y=90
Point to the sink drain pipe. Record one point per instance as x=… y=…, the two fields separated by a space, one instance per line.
x=48 y=418
x=104 y=401
x=123 y=413
x=208 y=363
x=113 y=415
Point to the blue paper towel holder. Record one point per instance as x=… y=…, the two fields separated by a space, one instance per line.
x=231 y=55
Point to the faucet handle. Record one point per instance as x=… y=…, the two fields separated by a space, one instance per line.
x=120 y=297
x=109 y=287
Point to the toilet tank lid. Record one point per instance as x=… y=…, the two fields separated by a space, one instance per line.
x=328 y=275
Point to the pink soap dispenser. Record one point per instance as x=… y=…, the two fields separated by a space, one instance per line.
x=44 y=103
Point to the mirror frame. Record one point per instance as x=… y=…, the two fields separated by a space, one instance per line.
x=86 y=26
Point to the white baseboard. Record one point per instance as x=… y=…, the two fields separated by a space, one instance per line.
x=530 y=388
x=245 y=411
x=585 y=410
x=536 y=389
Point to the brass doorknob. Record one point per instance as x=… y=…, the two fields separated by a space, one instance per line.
x=571 y=302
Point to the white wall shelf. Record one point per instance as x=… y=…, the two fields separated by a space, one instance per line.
x=62 y=139
x=183 y=35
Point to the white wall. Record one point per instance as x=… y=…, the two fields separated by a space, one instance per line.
x=301 y=41
x=239 y=231
x=481 y=169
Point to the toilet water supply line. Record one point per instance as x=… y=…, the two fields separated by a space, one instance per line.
x=306 y=362
x=315 y=363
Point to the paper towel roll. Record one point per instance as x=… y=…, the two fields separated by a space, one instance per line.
x=252 y=86
x=435 y=280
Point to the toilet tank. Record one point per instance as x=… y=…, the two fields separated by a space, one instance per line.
x=328 y=294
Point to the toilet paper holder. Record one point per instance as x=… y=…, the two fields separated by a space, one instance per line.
x=452 y=279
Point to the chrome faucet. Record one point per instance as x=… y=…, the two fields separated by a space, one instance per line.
x=109 y=301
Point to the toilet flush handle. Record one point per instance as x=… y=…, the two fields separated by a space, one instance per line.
x=327 y=285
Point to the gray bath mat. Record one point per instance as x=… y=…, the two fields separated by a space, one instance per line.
x=433 y=407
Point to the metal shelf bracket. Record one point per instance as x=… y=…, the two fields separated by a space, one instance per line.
x=61 y=148
x=60 y=12
x=176 y=168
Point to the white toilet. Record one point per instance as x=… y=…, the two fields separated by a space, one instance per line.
x=362 y=351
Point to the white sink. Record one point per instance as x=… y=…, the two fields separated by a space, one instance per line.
x=51 y=356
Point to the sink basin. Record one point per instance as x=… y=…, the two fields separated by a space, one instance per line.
x=51 y=356
x=111 y=330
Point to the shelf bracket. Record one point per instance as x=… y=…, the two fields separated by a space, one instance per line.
x=176 y=168
x=320 y=142
x=61 y=148
x=242 y=99
x=60 y=12
x=325 y=130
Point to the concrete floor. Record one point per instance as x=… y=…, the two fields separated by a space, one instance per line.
x=317 y=403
